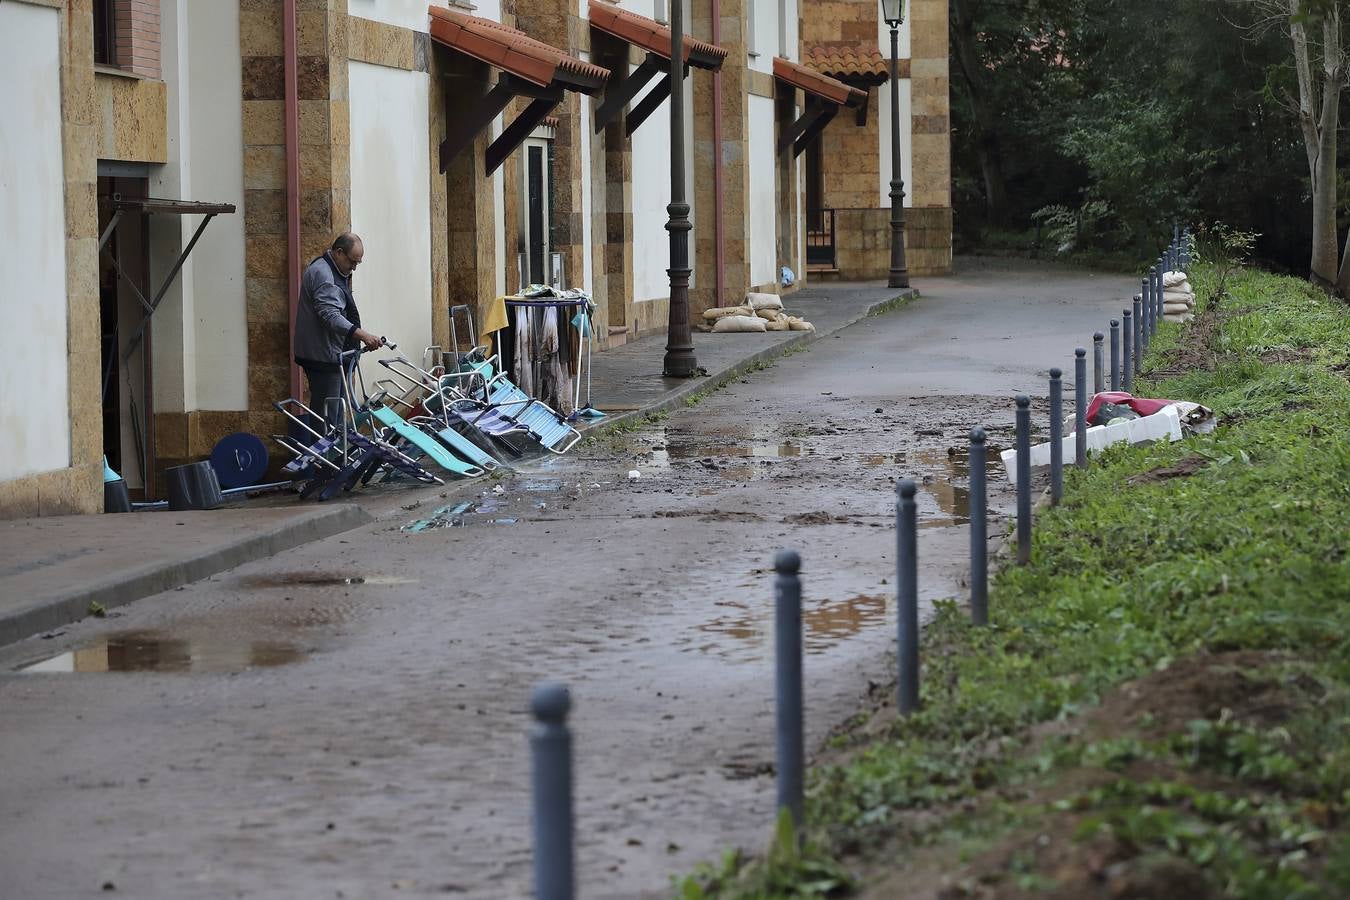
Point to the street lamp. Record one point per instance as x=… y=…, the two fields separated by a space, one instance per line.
x=679 y=361
x=893 y=13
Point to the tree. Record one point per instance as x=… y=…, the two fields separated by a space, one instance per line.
x=1319 y=61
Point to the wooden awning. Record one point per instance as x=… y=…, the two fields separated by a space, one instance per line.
x=655 y=38
x=529 y=68
x=650 y=35
x=824 y=98
x=815 y=84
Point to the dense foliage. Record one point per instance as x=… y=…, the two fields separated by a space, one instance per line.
x=1097 y=123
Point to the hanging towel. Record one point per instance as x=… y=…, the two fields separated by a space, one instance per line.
x=524 y=351
x=494 y=320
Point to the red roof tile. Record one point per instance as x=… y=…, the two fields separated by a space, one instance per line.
x=651 y=35
x=509 y=49
x=856 y=62
x=813 y=82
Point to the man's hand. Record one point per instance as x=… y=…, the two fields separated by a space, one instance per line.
x=371 y=342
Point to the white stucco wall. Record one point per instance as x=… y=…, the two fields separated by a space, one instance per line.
x=585 y=278
x=651 y=194
x=216 y=130
x=403 y=13
x=391 y=205
x=882 y=110
x=763 y=207
x=34 y=436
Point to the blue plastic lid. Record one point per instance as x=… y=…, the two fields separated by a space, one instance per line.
x=240 y=459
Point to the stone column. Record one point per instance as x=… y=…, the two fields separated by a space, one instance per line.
x=929 y=226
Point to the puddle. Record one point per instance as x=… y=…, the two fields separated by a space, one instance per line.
x=319 y=579
x=153 y=651
x=824 y=626
x=940 y=481
x=462 y=515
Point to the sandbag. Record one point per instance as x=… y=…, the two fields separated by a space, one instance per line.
x=1175 y=308
x=770 y=315
x=777 y=325
x=712 y=315
x=1173 y=278
x=1178 y=317
x=763 y=301
x=740 y=323
x=797 y=324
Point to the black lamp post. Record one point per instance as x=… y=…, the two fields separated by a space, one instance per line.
x=893 y=13
x=679 y=361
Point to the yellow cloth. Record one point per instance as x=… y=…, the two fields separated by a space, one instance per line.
x=494 y=320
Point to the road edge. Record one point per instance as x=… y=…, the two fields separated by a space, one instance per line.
x=73 y=604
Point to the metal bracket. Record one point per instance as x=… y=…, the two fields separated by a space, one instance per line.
x=493 y=102
x=168 y=280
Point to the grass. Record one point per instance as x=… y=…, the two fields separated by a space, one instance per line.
x=1161 y=703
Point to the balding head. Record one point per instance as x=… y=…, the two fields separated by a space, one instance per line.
x=348 y=252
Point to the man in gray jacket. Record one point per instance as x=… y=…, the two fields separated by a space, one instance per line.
x=327 y=322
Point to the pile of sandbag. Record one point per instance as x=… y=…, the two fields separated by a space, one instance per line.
x=759 y=312
x=1178 y=298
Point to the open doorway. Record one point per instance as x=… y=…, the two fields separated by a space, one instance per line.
x=125 y=374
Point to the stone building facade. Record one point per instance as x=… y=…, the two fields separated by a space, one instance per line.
x=298 y=119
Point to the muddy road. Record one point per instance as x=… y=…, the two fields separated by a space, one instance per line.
x=348 y=719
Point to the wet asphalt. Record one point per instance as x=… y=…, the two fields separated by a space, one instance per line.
x=348 y=719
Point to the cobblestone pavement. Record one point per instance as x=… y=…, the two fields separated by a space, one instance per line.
x=347 y=719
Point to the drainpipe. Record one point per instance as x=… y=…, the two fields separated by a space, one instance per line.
x=718 y=222
x=292 y=114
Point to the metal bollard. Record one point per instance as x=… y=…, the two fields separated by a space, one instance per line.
x=787 y=589
x=1098 y=378
x=979 y=531
x=1056 y=435
x=1158 y=294
x=551 y=749
x=1115 y=354
x=907 y=599
x=1127 y=329
x=1146 y=295
x=1023 y=479
x=1080 y=407
x=1138 y=334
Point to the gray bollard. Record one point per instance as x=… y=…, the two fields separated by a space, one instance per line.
x=1023 y=479
x=907 y=598
x=1127 y=370
x=1158 y=294
x=1138 y=335
x=979 y=531
x=551 y=749
x=1098 y=367
x=1115 y=354
x=1142 y=313
x=787 y=589
x=1080 y=407
x=1056 y=435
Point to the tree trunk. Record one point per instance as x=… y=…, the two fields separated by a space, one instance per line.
x=966 y=44
x=1320 y=87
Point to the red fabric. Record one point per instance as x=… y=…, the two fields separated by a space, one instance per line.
x=1142 y=405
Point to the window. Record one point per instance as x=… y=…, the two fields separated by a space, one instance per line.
x=783 y=30
x=750 y=28
x=659 y=11
x=105 y=34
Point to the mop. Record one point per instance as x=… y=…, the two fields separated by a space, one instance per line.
x=582 y=321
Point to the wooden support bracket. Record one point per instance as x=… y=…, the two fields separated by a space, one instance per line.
x=814 y=129
x=814 y=110
x=618 y=95
x=515 y=134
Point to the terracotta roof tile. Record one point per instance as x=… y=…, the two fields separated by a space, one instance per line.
x=813 y=82
x=511 y=50
x=651 y=35
x=845 y=62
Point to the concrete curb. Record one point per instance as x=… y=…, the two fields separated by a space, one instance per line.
x=714 y=380
x=71 y=605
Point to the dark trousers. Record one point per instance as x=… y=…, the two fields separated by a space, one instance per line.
x=325 y=390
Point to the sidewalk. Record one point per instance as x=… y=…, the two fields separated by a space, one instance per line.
x=52 y=569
